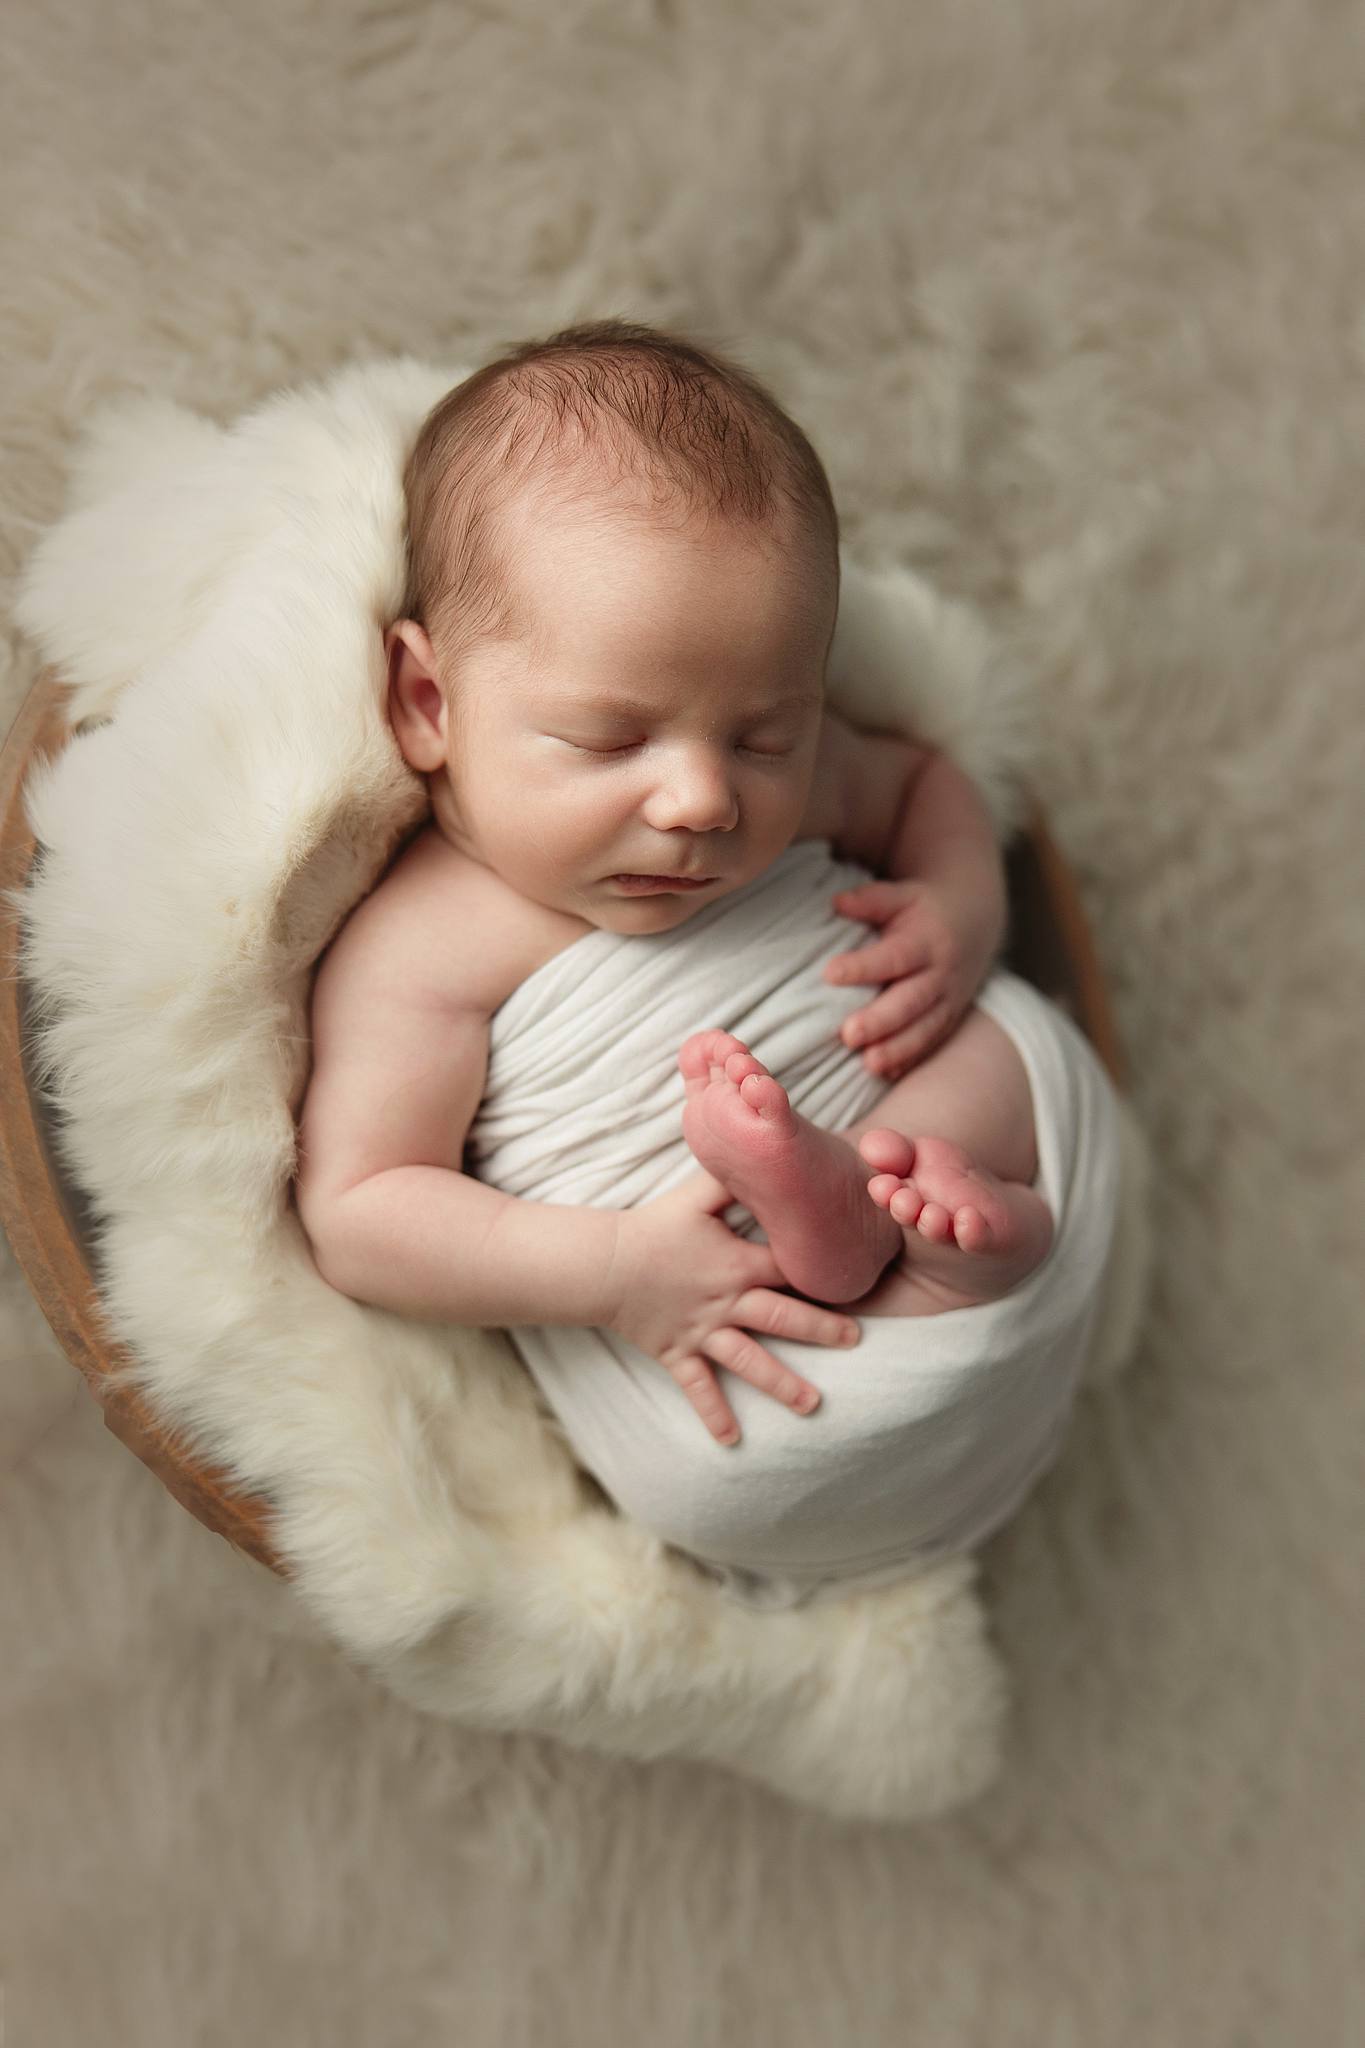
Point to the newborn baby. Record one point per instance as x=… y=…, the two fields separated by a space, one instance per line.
x=532 y=1102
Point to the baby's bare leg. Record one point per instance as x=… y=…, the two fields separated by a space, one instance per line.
x=960 y=1123
x=973 y=1090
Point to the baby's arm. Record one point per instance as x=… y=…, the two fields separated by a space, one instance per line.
x=914 y=818
x=398 y=1073
x=944 y=836
x=389 y=1218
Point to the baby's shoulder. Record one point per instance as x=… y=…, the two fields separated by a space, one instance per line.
x=442 y=928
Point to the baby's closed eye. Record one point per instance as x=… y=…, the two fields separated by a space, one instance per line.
x=634 y=747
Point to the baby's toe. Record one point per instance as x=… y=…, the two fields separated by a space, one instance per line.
x=739 y=1065
x=971 y=1230
x=761 y=1093
x=888 y=1151
x=934 y=1222
x=907 y=1206
x=705 y=1049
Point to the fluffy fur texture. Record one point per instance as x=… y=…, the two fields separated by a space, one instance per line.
x=1069 y=298
x=232 y=793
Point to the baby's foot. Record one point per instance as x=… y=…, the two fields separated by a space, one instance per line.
x=804 y=1185
x=969 y=1233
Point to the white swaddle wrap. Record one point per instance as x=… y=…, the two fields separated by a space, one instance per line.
x=930 y=1431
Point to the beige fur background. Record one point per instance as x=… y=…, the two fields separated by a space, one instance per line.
x=1071 y=297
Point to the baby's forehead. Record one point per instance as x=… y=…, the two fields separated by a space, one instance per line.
x=747 y=694
x=609 y=582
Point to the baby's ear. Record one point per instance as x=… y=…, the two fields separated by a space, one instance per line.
x=407 y=634
x=415 y=700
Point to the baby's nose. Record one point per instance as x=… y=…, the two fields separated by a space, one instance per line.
x=698 y=795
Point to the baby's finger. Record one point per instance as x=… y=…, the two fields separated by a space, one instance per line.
x=851 y=968
x=895 y=1009
x=790 y=1315
x=872 y=902
x=883 y=962
x=893 y=1056
x=743 y=1355
x=703 y=1191
x=698 y=1381
x=764 y=1270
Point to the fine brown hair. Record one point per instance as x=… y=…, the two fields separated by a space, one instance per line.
x=610 y=402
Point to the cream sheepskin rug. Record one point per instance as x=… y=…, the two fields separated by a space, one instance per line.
x=216 y=599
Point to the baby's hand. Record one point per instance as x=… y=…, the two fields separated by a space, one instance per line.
x=932 y=956
x=688 y=1290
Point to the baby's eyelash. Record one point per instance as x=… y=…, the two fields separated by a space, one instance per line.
x=609 y=753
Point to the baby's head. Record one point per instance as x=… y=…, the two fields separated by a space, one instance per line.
x=623 y=581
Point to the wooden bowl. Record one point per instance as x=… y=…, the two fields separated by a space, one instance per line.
x=48 y=1220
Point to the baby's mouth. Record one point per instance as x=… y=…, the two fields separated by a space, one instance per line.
x=629 y=881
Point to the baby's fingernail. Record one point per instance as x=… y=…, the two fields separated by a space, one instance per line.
x=805 y=1402
x=728 y=1436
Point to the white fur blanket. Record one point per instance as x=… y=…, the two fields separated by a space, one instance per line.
x=215 y=597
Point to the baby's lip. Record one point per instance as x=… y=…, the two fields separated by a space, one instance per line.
x=643 y=884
